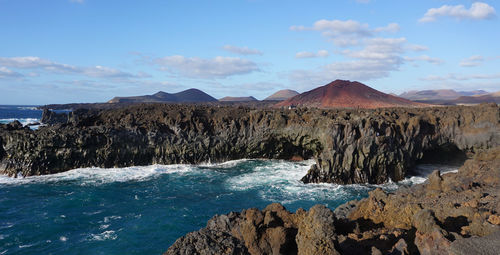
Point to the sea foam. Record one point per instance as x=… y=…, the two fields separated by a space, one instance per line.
x=97 y=176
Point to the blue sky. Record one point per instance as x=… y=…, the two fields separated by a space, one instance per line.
x=61 y=51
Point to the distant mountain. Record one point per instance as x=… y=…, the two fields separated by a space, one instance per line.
x=473 y=92
x=346 y=94
x=238 y=99
x=282 y=95
x=190 y=95
x=478 y=99
x=439 y=94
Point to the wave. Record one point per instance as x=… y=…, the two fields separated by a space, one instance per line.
x=32 y=108
x=280 y=182
x=226 y=164
x=24 y=121
x=273 y=180
x=97 y=176
x=106 y=235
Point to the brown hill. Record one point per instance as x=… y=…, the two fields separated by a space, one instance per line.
x=347 y=94
x=282 y=95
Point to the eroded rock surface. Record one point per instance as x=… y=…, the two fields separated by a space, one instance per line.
x=349 y=146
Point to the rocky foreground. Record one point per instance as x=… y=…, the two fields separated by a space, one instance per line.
x=349 y=146
x=454 y=213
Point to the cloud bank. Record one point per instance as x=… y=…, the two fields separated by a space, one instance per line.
x=477 y=11
x=306 y=54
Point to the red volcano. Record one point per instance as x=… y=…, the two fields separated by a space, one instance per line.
x=347 y=94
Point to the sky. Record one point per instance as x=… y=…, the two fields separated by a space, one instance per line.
x=64 y=51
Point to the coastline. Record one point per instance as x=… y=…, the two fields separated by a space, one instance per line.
x=349 y=146
x=455 y=213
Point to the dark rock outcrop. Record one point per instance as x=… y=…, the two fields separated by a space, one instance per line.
x=51 y=117
x=350 y=146
x=454 y=218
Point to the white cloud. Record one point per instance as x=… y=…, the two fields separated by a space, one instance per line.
x=53 y=67
x=425 y=58
x=218 y=67
x=367 y=55
x=378 y=57
x=7 y=73
x=477 y=11
x=36 y=62
x=345 y=33
x=306 y=54
x=392 y=28
x=242 y=50
x=472 y=61
x=378 y=48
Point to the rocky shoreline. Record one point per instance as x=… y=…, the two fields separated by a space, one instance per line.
x=454 y=213
x=349 y=146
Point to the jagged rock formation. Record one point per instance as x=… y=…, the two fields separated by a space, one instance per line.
x=50 y=117
x=455 y=213
x=190 y=95
x=346 y=94
x=282 y=95
x=350 y=146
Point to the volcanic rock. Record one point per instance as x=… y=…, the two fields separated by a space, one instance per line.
x=349 y=146
x=273 y=230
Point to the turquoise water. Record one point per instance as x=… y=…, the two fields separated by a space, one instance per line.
x=143 y=210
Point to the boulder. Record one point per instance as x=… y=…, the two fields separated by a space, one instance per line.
x=316 y=233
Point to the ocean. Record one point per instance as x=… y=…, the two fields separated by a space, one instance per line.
x=144 y=209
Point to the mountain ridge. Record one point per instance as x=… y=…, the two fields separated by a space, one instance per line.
x=189 y=95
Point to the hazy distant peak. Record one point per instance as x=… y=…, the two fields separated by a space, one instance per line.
x=283 y=94
x=238 y=99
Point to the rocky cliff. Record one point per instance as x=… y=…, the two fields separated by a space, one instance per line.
x=455 y=213
x=350 y=146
